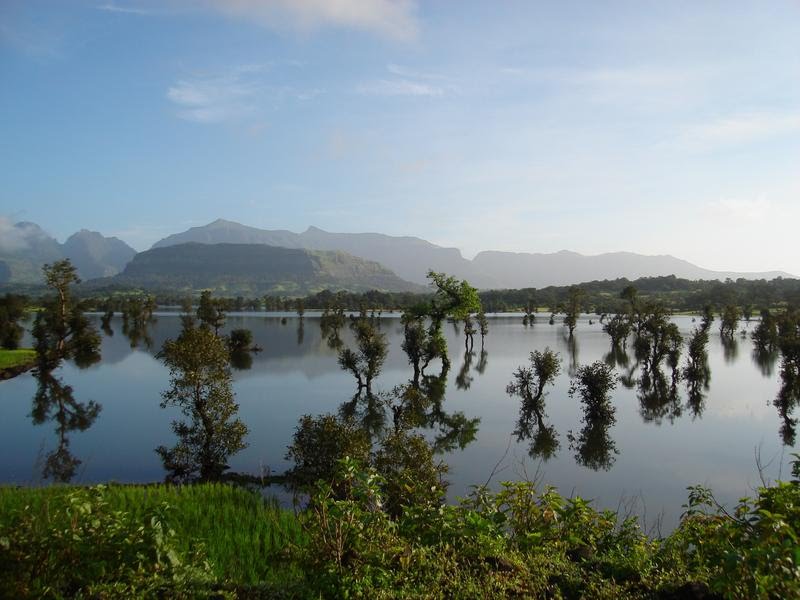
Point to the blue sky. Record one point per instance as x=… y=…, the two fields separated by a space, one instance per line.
x=655 y=127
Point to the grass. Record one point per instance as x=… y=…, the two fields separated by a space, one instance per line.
x=16 y=358
x=243 y=534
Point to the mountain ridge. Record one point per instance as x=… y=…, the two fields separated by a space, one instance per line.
x=411 y=257
x=253 y=269
x=25 y=247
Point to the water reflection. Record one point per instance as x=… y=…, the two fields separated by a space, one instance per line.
x=765 y=359
x=593 y=446
x=54 y=401
x=529 y=384
x=730 y=348
x=788 y=399
x=464 y=379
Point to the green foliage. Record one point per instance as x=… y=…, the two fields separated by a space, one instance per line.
x=240 y=340
x=411 y=476
x=729 y=319
x=211 y=312
x=366 y=361
x=12 y=309
x=200 y=385
x=572 y=307
x=61 y=329
x=82 y=547
x=318 y=443
x=520 y=541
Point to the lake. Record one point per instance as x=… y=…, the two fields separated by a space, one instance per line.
x=647 y=458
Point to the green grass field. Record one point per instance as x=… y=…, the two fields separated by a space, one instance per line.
x=242 y=533
x=16 y=358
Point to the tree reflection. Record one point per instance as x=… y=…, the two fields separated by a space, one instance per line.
x=55 y=402
x=464 y=379
x=483 y=361
x=529 y=385
x=658 y=397
x=787 y=400
x=593 y=446
x=730 y=348
x=765 y=360
x=411 y=407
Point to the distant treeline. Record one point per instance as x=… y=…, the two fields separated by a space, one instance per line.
x=600 y=297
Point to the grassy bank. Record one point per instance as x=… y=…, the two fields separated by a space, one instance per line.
x=16 y=358
x=14 y=362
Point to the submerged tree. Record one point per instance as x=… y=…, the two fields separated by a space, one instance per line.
x=211 y=312
x=572 y=307
x=529 y=385
x=200 y=385
x=452 y=298
x=366 y=361
x=61 y=329
x=618 y=329
x=593 y=445
x=729 y=320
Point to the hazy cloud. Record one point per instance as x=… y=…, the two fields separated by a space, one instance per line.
x=741 y=129
x=15 y=239
x=128 y=10
x=399 y=87
x=395 y=19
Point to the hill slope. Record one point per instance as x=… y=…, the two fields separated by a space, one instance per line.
x=97 y=256
x=253 y=269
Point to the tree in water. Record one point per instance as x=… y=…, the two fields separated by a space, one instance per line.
x=211 y=312
x=697 y=373
x=366 y=361
x=593 y=445
x=483 y=325
x=61 y=329
x=452 y=298
x=200 y=385
x=618 y=329
x=729 y=320
x=572 y=307
x=765 y=335
x=529 y=385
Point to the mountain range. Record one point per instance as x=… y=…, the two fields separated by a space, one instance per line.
x=227 y=255
x=411 y=258
x=253 y=270
x=25 y=247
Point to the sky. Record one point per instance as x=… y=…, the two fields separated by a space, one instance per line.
x=530 y=126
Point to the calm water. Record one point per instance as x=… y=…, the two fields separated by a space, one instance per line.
x=658 y=452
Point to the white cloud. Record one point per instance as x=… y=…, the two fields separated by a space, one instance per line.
x=16 y=238
x=241 y=94
x=213 y=100
x=128 y=10
x=395 y=19
x=398 y=87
